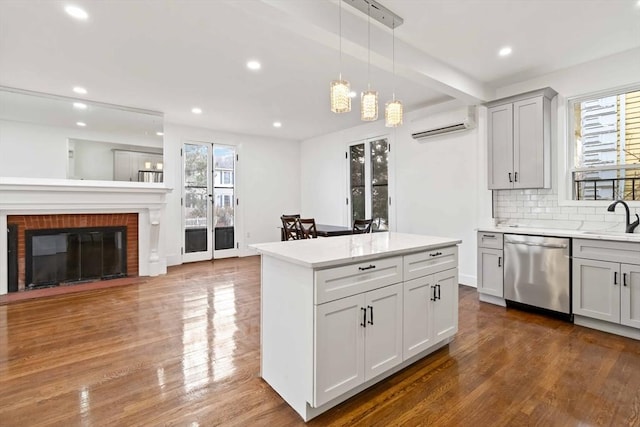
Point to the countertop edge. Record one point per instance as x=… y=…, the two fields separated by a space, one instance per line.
x=575 y=234
x=355 y=259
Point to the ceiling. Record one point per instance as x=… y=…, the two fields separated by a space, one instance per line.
x=173 y=55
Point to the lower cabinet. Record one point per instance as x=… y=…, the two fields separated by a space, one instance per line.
x=430 y=311
x=357 y=338
x=606 y=290
x=490 y=272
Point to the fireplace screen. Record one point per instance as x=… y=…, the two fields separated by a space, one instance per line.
x=74 y=255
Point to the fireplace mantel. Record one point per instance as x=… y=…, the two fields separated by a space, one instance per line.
x=31 y=196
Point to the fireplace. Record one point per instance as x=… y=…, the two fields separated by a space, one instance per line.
x=73 y=255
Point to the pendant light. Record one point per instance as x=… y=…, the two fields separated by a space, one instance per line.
x=393 y=108
x=369 y=98
x=340 y=89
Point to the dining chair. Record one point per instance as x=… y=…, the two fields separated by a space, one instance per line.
x=308 y=228
x=361 y=226
x=290 y=228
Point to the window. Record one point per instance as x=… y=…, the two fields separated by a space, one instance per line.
x=605 y=135
x=369 y=182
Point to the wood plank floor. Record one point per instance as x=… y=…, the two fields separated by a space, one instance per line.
x=183 y=349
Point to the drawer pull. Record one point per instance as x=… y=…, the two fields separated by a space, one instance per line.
x=367 y=268
x=489 y=236
x=436 y=254
x=364 y=317
x=370 y=314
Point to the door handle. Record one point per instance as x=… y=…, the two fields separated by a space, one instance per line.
x=364 y=317
x=510 y=177
x=516 y=176
x=624 y=279
x=371 y=314
x=433 y=297
x=438 y=287
x=499 y=261
x=615 y=277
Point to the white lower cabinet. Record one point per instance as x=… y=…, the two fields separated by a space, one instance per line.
x=357 y=338
x=430 y=311
x=604 y=289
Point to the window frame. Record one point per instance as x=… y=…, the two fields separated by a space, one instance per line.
x=566 y=148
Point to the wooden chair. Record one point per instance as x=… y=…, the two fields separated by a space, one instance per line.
x=308 y=228
x=361 y=226
x=290 y=228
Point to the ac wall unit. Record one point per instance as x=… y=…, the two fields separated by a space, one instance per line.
x=448 y=122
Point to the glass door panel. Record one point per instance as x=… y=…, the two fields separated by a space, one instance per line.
x=224 y=161
x=380 y=184
x=197 y=201
x=357 y=181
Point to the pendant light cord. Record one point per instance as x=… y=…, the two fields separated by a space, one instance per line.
x=340 y=33
x=393 y=56
x=368 y=45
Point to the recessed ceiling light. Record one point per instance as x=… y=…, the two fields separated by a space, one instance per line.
x=277 y=124
x=505 y=51
x=76 y=12
x=196 y=110
x=80 y=90
x=79 y=106
x=253 y=65
x=352 y=94
x=81 y=124
x=159 y=133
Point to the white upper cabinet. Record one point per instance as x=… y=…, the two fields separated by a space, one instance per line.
x=519 y=141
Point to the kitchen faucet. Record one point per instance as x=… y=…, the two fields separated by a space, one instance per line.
x=630 y=226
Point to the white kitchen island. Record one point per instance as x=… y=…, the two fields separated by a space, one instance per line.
x=339 y=314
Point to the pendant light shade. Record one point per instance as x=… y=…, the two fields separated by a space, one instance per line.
x=393 y=114
x=340 y=99
x=369 y=105
x=369 y=98
x=339 y=89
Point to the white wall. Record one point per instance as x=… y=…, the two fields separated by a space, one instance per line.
x=548 y=207
x=267 y=182
x=436 y=187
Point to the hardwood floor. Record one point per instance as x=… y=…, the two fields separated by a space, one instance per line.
x=183 y=349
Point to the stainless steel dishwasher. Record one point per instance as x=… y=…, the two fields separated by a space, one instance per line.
x=536 y=271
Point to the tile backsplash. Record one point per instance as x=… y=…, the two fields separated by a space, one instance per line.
x=539 y=208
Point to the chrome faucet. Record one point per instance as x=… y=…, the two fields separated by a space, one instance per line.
x=630 y=226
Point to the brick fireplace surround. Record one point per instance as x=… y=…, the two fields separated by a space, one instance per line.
x=41 y=222
x=38 y=203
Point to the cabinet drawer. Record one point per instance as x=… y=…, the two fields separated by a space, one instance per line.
x=424 y=263
x=489 y=240
x=606 y=250
x=340 y=282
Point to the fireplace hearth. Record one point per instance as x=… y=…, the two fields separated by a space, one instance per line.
x=74 y=255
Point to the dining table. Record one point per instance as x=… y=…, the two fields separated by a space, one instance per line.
x=326 y=230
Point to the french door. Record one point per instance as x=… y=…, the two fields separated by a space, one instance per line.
x=209 y=200
x=369 y=189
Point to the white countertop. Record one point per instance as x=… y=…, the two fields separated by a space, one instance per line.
x=333 y=251
x=581 y=234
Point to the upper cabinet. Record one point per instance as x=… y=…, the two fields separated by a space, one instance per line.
x=519 y=140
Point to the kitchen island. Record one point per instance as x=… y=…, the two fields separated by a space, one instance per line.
x=340 y=314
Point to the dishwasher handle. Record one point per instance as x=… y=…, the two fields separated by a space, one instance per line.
x=542 y=245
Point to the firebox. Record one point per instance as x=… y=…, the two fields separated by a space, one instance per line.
x=71 y=255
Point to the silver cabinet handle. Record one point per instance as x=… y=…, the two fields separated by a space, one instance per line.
x=542 y=245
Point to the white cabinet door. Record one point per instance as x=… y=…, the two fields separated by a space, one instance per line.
x=418 y=294
x=445 y=307
x=528 y=143
x=490 y=272
x=383 y=337
x=500 y=145
x=339 y=347
x=596 y=289
x=630 y=295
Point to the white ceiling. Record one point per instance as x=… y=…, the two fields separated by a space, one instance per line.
x=172 y=55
